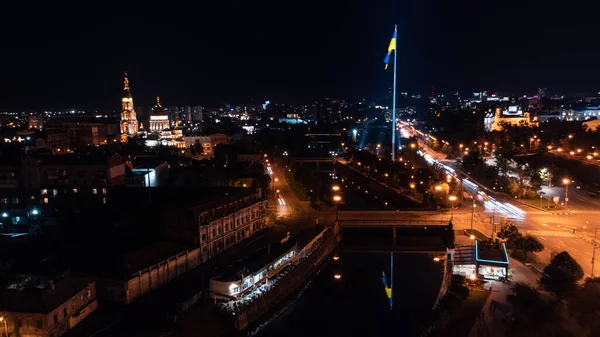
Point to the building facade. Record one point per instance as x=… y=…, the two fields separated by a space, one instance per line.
x=85 y=131
x=219 y=225
x=159 y=120
x=495 y=121
x=148 y=269
x=50 y=312
x=129 y=122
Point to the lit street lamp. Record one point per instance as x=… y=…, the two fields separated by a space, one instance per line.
x=472 y=214
x=452 y=199
x=566 y=182
x=337 y=199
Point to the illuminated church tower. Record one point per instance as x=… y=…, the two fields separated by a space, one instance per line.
x=129 y=123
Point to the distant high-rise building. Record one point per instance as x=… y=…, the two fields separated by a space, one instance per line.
x=129 y=122
x=159 y=120
x=197 y=114
x=186 y=113
x=328 y=111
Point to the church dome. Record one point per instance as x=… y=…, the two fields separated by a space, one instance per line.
x=158 y=110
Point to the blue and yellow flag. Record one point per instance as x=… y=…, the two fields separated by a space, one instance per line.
x=391 y=47
x=388 y=290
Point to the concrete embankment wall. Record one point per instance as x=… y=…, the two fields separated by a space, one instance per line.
x=285 y=287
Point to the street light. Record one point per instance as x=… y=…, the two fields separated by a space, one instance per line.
x=337 y=199
x=335 y=188
x=452 y=199
x=472 y=214
x=2 y=319
x=566 y=182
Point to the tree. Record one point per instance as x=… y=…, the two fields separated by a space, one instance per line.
x=584 y=306
x=533 y=316
x=561 y=275
x=528 y=244
x=509 y=232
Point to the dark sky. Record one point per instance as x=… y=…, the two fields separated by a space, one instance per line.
x=212 y=52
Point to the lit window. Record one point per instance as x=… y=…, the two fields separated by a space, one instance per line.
x=74 y=190
x=45 y=200
x=104 y=201
x=104 y=191
x=94 y=191
x=54 y=192
x=44 y=192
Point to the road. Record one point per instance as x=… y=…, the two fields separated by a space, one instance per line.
x=569 y=230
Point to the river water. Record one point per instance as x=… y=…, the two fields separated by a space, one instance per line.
x=356 y=303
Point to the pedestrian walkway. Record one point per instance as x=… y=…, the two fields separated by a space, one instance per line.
x=492 y=321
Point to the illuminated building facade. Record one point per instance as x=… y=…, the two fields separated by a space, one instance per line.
x=219 y=225
x=129 y=122
x=159 y=120
x=495 y=121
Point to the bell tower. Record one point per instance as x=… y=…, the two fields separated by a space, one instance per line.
x=129 y=123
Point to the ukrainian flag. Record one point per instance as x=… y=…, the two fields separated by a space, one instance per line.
x=391 y=47
x=388 y=290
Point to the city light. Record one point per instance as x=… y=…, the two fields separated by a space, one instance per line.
x=335 y=258
x=4 y=215
x=337 y=276
x=436 y=259
x=337 y=198
x=438 y=188
x=335 y=188
x=452 y=198
x=35 y=212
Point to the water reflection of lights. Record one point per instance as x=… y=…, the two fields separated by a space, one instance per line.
x=337 y=276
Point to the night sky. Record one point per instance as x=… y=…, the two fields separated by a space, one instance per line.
x=232 y=51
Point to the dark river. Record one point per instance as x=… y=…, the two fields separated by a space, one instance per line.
x=356 y=304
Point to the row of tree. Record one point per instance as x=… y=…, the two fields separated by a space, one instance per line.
x=562 y=307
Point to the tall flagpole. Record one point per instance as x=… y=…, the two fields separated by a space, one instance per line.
x=394 y=98
x=392 y=279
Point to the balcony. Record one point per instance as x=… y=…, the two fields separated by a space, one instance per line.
x=9 y=183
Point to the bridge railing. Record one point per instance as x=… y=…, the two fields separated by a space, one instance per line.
x=407 y=222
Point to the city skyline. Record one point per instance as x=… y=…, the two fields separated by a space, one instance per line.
x=238 y=52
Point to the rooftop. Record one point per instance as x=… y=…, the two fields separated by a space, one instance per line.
x=493 y=253
x=258 y=255
x=87 y=158
x=42 y=300
x=152 y=254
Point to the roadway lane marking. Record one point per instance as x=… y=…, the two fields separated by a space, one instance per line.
x=541 y=233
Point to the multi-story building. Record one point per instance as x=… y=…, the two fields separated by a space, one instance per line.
x=32 y=187
x=129 y=122
x=147 y=269
x=197 y=114
x=495 y=121
x=50 y=312
x=36 y=122
x=220 y=224
x=85 y=131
